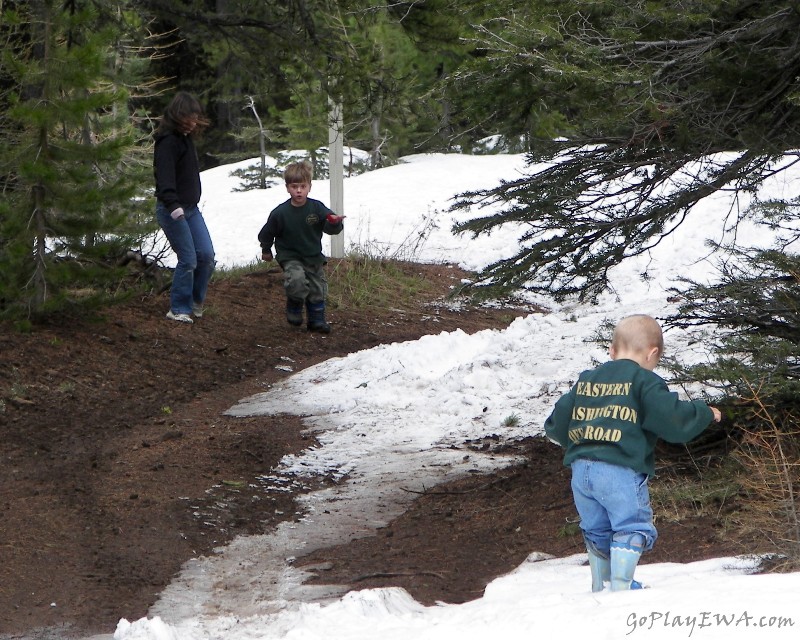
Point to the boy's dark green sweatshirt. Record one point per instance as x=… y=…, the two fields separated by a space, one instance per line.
x=297 y=232
x=616 y=413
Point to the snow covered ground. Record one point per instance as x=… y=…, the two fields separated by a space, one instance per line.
x=391 y=415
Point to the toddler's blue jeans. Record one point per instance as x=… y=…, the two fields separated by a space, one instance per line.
x=612 y=501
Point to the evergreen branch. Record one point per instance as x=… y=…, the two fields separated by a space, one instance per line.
x=584 y=214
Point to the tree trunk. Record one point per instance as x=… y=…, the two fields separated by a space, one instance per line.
x=41 y=51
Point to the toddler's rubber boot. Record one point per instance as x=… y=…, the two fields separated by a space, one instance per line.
x=625 y=554
x=316 y=317
x=294 y=312
x=601 y=570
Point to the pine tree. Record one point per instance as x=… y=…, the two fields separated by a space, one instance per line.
x=381 y=61
x=755 y=307
x=69 y=162
x=403 y=53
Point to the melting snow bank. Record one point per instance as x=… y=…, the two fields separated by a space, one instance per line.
x=709 y=599
x=399 y=428
x=390 y=421
x=389 y=418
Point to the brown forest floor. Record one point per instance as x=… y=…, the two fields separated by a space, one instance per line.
x=113 y=434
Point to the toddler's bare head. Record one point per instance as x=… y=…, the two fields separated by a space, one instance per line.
x=637 y=335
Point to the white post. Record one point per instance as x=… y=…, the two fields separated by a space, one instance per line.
x=336 y=171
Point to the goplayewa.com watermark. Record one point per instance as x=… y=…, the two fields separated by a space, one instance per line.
x=705 y=620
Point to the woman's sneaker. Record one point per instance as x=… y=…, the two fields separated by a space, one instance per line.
x=179 y=317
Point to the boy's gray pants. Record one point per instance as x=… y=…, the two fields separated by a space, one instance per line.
x=304 y=282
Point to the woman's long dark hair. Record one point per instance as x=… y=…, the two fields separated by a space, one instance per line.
x=183 y=108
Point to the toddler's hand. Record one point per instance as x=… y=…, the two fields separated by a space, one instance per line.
x=334 y=219
x=717 y=414
x=266 y=256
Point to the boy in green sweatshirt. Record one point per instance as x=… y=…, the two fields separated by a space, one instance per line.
x=295 y=227
x=609 y=423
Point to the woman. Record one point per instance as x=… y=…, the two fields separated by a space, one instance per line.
x=177 y=174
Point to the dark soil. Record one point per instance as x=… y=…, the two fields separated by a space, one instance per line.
x=116 y=452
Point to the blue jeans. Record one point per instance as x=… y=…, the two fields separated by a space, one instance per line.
x=612 y=501
x=191 y=242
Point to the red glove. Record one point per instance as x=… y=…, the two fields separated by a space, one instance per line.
x=333 y=218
